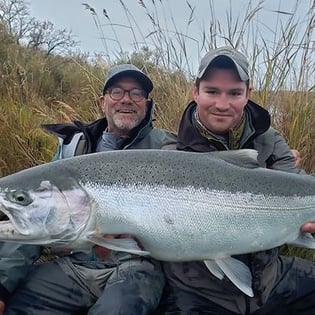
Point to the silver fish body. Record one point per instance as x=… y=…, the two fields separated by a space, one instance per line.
x=181 y=206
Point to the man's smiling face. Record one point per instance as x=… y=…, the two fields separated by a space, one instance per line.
x=221 y=98
x=125 y=114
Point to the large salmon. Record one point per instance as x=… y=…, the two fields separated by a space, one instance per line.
x=180 y=206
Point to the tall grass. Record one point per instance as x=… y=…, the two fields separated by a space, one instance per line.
x=36 y=89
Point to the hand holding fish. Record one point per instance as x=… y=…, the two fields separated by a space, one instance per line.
x=103 y=252
x=308 y=227
x=2 y=307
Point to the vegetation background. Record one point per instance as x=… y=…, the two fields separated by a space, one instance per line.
x=44 y=81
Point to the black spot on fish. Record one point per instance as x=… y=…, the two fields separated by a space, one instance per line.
x=168 y=219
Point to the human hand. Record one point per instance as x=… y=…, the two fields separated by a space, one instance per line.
x=308 y=227
x=103 y=252
x=297 y=157
x=2 y=307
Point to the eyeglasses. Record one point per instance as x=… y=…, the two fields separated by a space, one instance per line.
x=117 y=93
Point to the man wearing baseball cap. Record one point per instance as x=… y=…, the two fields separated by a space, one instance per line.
x=221 y=117
x=96 y=282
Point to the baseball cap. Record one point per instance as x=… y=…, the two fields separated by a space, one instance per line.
x=127 y=70
x=225 y=53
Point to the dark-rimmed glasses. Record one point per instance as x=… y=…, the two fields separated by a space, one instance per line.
x=117 y=93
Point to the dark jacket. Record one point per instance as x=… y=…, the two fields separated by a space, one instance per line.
x=74 y=139
x=273 y=152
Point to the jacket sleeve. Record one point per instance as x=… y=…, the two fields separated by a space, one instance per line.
x=282 y=158
x=15 y=260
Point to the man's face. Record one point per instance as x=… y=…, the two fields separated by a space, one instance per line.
x=221 y=99
x=123 y=115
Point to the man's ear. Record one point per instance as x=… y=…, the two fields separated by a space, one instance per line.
x=101 y=102
x=249 y=92
x=195 y=93
x=148 y=102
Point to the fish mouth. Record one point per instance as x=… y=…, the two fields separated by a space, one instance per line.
x=6 y=227
x=9 y=233
x=3 y=216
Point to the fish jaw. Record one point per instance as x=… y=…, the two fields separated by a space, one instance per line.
x=45 y=215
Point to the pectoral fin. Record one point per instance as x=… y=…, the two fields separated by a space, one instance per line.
x=127 y=245
x=235 y=270
x=304 y=240
x=214 y=268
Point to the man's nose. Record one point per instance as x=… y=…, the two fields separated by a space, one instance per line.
x=222 y=102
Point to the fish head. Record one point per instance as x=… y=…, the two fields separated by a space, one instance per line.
x=43 y=212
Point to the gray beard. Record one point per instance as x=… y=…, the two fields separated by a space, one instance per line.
x=126 y=126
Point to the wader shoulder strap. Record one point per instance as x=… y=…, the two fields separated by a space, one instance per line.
x=75 y=147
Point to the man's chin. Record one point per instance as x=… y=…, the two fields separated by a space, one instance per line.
x=126 y=124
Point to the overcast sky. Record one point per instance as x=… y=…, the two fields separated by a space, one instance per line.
x=71 y=14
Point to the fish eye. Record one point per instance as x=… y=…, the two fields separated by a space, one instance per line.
x=20 y=197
